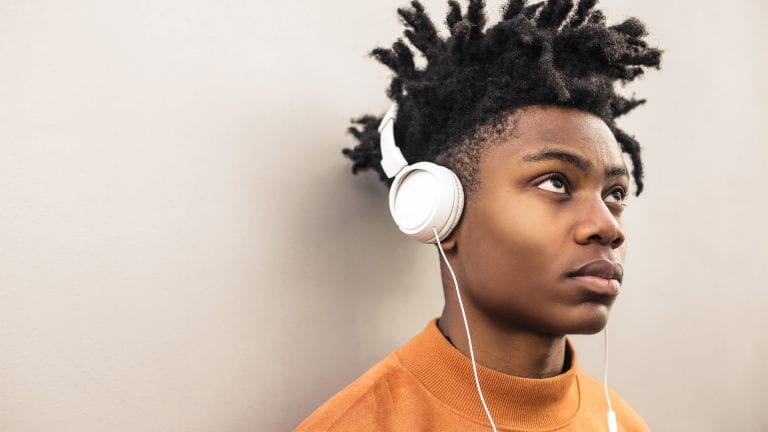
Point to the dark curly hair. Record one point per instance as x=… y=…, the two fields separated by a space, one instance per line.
x=548 y=53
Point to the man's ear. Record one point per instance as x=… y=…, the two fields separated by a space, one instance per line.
x=450 y=242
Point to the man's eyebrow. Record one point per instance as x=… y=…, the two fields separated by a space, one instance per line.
x=582 y=164
x=617 y=171
x=563 y=156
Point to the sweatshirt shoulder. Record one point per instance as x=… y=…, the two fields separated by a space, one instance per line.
x=355 y=406
x=593 y=394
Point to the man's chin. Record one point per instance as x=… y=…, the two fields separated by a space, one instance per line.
x=586 y=319
x=591 y=323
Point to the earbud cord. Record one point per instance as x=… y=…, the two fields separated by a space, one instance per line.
x=466 y=326
x=612 y=426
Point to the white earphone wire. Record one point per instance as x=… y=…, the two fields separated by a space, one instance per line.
x=612 y=426
x=466 y=326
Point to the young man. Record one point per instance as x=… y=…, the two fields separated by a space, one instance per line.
x=520 y=119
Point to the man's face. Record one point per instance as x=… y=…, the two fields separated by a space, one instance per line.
x=548 y=202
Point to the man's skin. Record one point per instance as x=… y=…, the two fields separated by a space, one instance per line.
x=522 y=234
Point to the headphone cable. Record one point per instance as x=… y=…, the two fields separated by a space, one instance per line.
x=466 y=326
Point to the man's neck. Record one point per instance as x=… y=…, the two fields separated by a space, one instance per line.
x=518 y=353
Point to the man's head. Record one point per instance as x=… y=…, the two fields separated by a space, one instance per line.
x=524 y=114
x=547 y=53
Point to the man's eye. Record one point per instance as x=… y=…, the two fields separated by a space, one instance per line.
x=554 y=183
x=617 y=195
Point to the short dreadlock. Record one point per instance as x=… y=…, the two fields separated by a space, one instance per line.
x=547 y=53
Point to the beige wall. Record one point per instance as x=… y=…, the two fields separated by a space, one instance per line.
x=183 y=249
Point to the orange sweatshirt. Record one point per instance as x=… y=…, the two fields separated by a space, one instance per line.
x=428 y=385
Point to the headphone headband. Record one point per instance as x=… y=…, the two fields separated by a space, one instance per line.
x=392 y=160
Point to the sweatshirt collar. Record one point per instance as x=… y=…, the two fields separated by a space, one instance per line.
x=517 y=402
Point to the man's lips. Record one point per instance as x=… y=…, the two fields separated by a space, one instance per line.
x=601 y=268
x=600 y=277
x=598 y=286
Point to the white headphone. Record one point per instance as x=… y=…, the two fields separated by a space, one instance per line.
x=423 y=195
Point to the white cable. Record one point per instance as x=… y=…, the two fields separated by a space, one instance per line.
x=612 y=426
x=466 y=326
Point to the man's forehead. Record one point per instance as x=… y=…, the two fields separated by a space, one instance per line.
x=535 y=128
x=560 y=125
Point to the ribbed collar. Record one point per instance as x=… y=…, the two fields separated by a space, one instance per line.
x=514 y=402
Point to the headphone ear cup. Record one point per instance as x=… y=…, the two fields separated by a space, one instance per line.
x=426 y=195
x=457 y=208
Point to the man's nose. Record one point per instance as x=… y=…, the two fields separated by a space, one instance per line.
x=598 y=224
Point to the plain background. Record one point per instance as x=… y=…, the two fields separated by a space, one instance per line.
x=183 y=248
